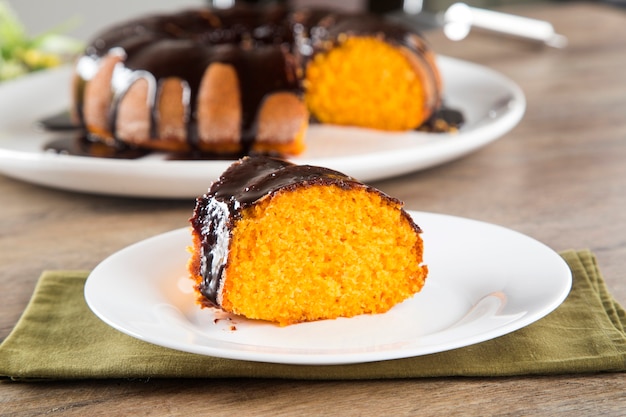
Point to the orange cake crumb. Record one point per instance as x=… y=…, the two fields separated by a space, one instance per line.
x=366 y=82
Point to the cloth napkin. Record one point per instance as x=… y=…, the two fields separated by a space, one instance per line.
x=58 y=337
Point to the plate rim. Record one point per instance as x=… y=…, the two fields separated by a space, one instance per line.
x=349 y=357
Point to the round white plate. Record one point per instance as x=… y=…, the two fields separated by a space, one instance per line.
x=485 y=281
x=491 y=103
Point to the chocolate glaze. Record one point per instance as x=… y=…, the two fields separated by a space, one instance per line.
x=243 y=184
x=268 y=47
x=81 y=146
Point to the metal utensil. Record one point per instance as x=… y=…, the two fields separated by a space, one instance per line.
x=458 y=20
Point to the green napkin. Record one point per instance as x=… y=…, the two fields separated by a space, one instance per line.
x=59 y=338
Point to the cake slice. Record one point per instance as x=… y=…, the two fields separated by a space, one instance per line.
x=292 y=243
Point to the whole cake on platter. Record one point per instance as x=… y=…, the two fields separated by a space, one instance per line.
x=291 y=243
x=250 y=79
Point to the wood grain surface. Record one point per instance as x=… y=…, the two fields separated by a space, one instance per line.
x=560 y=177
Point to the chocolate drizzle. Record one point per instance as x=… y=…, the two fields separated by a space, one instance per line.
x=244 y=183
x=251 y=179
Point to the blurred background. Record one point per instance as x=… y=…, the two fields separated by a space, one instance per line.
x=83 y=19
x=40 y=34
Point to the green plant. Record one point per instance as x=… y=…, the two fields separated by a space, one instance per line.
x=21 y=54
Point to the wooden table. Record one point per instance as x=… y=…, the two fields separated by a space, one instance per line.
x=560 y=177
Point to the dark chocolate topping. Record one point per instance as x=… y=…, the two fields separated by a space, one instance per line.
x=250 y=179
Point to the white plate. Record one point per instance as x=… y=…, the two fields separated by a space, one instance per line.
x=485 y=281
x=491 y=103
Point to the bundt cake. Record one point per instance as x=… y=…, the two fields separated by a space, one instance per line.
x=249 y=79
x=290 y=243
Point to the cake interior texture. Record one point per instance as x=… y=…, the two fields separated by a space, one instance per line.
x=321 y=252
x=387 y=96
